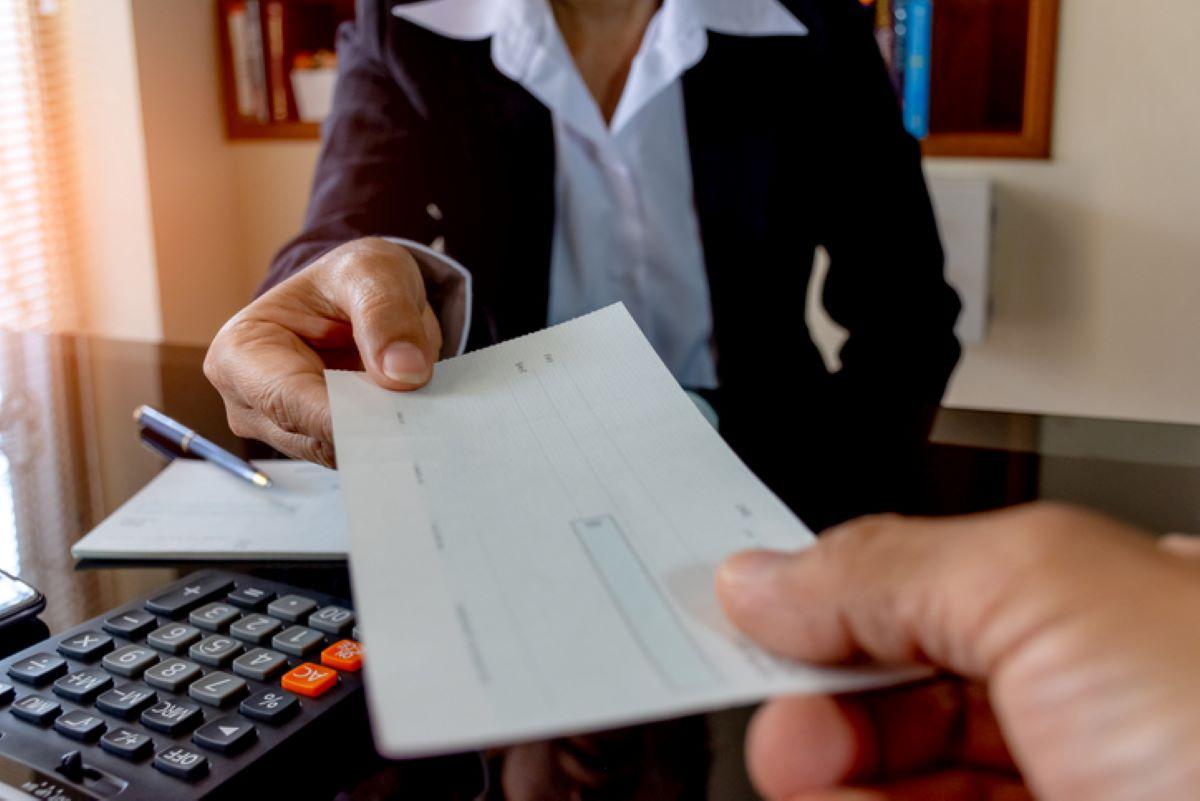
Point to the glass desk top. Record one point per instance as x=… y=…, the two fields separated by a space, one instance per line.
x=70 y=454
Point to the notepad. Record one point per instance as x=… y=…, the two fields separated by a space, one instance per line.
x=533 y=541
x=195 y=510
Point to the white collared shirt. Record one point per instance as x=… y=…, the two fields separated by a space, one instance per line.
x=625 y=224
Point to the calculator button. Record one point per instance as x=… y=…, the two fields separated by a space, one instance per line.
x=259 y=664
x=84 y=685
x=86 y=646
x=215 y=651
x=291 y=608
x=343 y=655
x=250 y=597
x=356 y=633
x=226 y=735
x=132 y=625
x=176 y=602
x=172 y=717
x=297 y=640
x=172 y=674
x=270 y=706
x=36 y=709
x=331 y=619
x=309 y=680
x=126 y=701
x=127 y=743
x=79 y=724
x=130 y=661
x=214 y=617
x=255 y=628
x=217 y=689
x=174 y=638
x=6 y=693
x=181 y=763
x=38 y=669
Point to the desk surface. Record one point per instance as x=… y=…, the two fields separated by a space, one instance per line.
x=69 y=456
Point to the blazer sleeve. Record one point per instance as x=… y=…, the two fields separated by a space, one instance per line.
x=370 y=178
x=885 y=284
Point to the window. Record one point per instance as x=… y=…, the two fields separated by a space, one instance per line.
x=35 y=176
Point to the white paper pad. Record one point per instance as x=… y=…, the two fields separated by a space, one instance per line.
x=533 y=541
x=195 y=510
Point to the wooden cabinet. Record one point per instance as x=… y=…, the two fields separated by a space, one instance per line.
x=992 y=78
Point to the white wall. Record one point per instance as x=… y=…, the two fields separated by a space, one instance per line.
x=1097 y=260
x=117 y=276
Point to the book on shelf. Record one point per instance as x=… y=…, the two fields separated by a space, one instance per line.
x=277 y=70
x=904 y=31
x=246 y=61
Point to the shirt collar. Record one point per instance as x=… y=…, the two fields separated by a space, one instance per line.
x=473 y=20
x=527 y=47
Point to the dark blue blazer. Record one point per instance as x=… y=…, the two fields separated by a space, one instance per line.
x=796 y=142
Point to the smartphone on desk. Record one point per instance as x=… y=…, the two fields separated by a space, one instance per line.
x=18 y=600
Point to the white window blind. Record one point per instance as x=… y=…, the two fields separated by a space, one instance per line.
x=36 y=182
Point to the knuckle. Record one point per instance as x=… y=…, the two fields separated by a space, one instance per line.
x=272 y=403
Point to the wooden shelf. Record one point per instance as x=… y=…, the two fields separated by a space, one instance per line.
x=306 y=25
x=991 y=91
x=992 y=86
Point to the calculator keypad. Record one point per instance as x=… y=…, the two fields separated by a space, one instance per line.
x=218 y=689
x=173 y=638
x=291 y=608
x=172 y=675
x=126 y=701
x=86 y=646
x=83 y=686
x=270 y=706
x=130 y=661
x=36 y=709
x=127 y=743
x=297 y=641
x=214 y=617
x=131 y=625
x=259 y=664
x=215 y=651
x=310 y=680
x=78 y=724
x=181 y=763
x=171 y=717
x=227 y=735
x=176 y=603
x=186 y=681
x=250 y=597
x=255 y=629
x=38 y=669
x=332 y=619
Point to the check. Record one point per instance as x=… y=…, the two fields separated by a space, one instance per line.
x=533 y=540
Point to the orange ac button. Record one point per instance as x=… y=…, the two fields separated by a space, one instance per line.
x=344 y=655
x=309 y=680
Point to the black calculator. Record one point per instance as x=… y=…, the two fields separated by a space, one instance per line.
x=176 y=695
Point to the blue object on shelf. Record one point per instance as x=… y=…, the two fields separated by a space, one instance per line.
x=918 y=53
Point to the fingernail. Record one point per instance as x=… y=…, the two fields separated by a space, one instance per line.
x=749 y=569
x=404 y=362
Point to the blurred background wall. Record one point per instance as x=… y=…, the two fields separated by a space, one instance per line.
x=1096 y=264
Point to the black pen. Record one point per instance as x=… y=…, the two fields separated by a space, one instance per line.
x=189 y=441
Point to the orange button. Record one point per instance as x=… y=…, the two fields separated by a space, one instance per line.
x=343 y=655
x=309 y=680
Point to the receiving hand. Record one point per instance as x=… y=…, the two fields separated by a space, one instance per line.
x=360 y=306
x=1071 y=639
